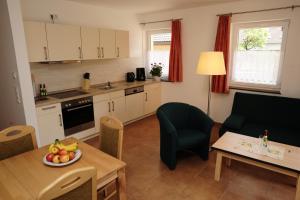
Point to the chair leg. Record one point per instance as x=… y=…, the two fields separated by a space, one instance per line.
x=170 y=161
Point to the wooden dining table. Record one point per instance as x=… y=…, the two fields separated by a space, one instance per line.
x=23 y=176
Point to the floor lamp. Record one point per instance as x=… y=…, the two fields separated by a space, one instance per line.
x=211 y=63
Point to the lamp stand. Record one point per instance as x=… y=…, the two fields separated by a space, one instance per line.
x=209 y=95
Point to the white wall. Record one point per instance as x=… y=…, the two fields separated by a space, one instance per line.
x=198 y=34
x=16 y=102
x=66 y=76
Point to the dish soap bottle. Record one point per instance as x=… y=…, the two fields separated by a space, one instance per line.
x=265 y=139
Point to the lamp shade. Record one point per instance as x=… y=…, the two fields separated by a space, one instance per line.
x=211 y=63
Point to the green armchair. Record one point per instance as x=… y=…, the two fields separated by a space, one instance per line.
x=183 y=127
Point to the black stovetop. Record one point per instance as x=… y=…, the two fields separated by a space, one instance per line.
x=67 y=94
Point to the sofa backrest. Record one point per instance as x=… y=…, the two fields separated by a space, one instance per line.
x=275 y=110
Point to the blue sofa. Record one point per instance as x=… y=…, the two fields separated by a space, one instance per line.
x=253 y=113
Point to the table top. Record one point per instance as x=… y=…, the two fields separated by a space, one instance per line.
x=24 y=176
x=229 y=143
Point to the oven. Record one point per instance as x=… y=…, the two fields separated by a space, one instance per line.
x=78 y=115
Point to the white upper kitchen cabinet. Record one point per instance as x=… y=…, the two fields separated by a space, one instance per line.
x=50 y=123
x=108 y=43
x=90 y=43
x=122 y=44
x=36 y=39
x=64 y=42
x=152 y=98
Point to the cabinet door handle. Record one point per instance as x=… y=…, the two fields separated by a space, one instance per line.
x=80 y=52
x=118 y=52
x=46 y=53
x=102 y=51
x=113 y=106
x=108 y=106
x=60 y=120
x=98 y=48
x=146 y=96
x=48 y=108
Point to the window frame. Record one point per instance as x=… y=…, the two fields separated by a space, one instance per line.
x=235 y=28
x=148 y=47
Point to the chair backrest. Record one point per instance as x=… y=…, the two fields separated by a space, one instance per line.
x=16 y=140
x=177 y=113
x=78 y=184
x=111 y=136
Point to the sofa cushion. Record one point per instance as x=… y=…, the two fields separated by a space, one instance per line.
x=235 y=121
x=190 y=137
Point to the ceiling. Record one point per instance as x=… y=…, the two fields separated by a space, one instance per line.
x=145 y=6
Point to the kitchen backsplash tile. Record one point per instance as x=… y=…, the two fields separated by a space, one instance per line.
x=66 y=76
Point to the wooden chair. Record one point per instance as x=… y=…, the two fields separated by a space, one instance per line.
x=16 y=140
x=111 y=136
x=78 y=184
x=111 y=142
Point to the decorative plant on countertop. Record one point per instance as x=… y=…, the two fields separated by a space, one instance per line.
x=156 y=71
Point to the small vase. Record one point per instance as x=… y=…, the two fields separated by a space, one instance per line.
x=156 y=78
x=86 y=84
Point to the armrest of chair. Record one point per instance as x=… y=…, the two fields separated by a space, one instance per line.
x=200 y=120
x=234 y=121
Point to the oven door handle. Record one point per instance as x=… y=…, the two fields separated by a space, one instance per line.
x=77 y=108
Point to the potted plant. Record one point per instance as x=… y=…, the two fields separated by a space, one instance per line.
x=156 y=71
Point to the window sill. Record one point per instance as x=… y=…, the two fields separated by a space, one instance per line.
x=244 y=88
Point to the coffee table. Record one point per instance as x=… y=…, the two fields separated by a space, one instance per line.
x=228 y=146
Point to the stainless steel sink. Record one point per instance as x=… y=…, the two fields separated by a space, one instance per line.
x=106 y=87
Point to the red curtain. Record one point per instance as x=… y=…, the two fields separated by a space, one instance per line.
x=175 y=62
x=220 y=82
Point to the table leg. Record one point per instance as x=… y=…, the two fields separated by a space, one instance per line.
x=228 y=162
x=121 y=187
x=298 y=188
x=218 y=166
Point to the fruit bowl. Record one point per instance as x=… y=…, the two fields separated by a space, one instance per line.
x=61 y=164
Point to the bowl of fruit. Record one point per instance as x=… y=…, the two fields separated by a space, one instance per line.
x=61 y=155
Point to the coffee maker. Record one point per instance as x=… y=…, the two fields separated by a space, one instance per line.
x=140 y=74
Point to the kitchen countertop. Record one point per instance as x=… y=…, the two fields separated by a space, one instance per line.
x=95 y=91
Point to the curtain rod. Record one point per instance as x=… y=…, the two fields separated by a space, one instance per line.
x=263 y=10
x=167 y=20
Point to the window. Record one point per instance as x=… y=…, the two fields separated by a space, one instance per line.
x=257 y=54
x=159 y=43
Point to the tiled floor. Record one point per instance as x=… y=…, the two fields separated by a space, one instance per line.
x=149 y=179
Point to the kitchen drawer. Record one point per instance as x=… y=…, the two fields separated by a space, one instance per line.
x=53 y=108
x=117 y=94
x=101 y=97
x=152 y=86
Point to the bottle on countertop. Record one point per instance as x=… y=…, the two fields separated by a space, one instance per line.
x=45 y=90
x=265 y=139
x=41 y=90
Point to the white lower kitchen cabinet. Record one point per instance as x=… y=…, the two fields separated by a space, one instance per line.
x=118 y=109
x=50 y=123
x=101 y=108
x=152 y=98
x=135 y=106
x=112 y=104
